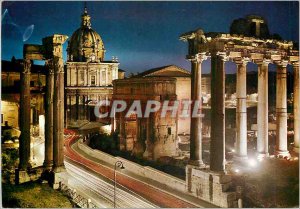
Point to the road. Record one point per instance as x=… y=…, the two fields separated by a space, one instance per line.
x=101 y=190
x=158 y=196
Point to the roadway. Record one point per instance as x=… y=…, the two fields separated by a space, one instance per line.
x=101 y=190
x=97 y=179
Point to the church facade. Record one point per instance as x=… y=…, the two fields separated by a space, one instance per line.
x=88 y=77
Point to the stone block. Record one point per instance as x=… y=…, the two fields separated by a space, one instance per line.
x=221 y=178
x=210 y=186
x=22 y=177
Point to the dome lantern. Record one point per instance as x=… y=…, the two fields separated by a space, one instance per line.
x=85 y=44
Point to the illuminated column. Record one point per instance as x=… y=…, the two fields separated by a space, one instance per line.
x=106 y=77
x=24 y=150
x=196 y=126
x=217 y=143
x=262 y=109
x=77 y=106
x=58 y=115
x=241 y=109
x=296 y=106
x=49 y=115
x=122 y=132
x=281 y=111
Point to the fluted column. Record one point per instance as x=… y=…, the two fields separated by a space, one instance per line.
x=77 y=107
x=122 y=144
x=58 y=115
x=24 y=149
x=217 y=143
x=241 y=109
x=262 y=109
x=196 y=122
x=281 y=111
x=296 y=106
x=49 y=115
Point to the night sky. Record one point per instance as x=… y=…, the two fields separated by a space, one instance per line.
x=143 y=35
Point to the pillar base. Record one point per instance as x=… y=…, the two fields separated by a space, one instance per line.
x=57 y=178
x=23 y=176
x=240 y=159
x=48 y=165
x=59 y=169
x=197 y=163
x=282 y=154
x=262 y=155
x=213 y=187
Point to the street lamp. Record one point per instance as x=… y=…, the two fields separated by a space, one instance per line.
x=120 y=165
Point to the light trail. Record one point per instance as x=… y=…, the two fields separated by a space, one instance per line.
x=102 y=191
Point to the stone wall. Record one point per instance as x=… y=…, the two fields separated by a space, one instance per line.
x=143 y=171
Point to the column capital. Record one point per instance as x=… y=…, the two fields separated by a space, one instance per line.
x=295 y=64
x=58 y=65
x=282 y=63
x=200 y=57
x=50 y=66
x=264 y=62
x=26 y=63
x=223 y=56
x=242 y=61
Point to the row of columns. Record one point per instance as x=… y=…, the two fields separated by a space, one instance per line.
x=217 y=147
x=54 y=116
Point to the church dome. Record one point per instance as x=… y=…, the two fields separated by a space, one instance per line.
x=85 y=44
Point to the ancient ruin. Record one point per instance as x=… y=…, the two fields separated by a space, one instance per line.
x=50 y=51
x=208 y=182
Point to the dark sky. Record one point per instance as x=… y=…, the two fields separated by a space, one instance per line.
x=143 y=35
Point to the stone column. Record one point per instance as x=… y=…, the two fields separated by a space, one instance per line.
x=24 y=149
x=106 y=77
x=296 y=106
x=77 y=106
x=58 y=115
x=281 y=111
x=122 y=145
x=262 y=109
x=84 y=109
x=49 y=115
x=196 y=123
x=241 y=109
x=217 y=142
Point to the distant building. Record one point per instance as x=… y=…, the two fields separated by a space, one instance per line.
x=183 y=88
x=88 y=76
x=10 y=93
x=149 y=137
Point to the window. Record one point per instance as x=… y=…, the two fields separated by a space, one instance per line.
x=169 y=131
x=93 y=80
x=103 y=76
x=81 y=77
x=2 y=119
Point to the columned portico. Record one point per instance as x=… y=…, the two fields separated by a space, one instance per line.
x=296 y=95
x=281 y=111
x=241 y=109
x=262 y=109
x=51 y=51
x=24 y=150
x=210 y=184
x=196 y=122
